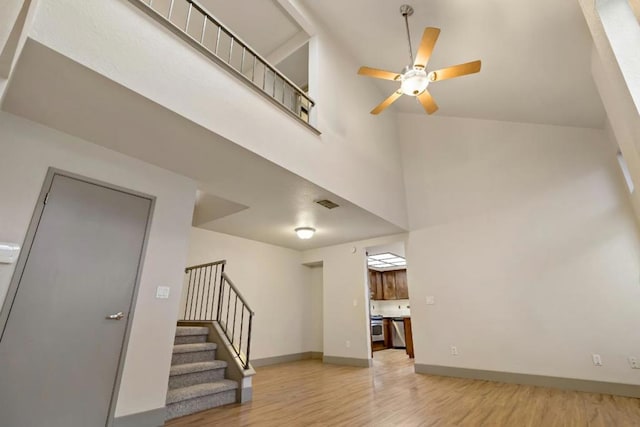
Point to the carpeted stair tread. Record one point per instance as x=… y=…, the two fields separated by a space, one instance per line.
x=182 y=331
x=190 y=348
x=189 y=368
x=191 y=392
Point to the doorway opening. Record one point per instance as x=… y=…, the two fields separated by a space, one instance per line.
x=389 y=308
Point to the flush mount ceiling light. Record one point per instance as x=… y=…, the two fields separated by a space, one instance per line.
x=305 y=232
x=414 y=79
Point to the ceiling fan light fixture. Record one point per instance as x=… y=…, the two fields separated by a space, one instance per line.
x=414 y=81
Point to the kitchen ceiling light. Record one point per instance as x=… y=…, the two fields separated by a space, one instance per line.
x=305 y=232
x=386 y=260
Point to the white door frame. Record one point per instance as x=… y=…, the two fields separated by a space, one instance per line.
x=26 y=249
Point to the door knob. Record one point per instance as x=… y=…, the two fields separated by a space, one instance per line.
x=119 y=315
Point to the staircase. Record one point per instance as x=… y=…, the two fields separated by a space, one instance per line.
x=197 y=380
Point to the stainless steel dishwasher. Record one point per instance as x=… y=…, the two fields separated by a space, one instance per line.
x=397 y=333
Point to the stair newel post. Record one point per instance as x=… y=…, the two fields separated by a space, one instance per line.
x=186 y=301
x=246 y=363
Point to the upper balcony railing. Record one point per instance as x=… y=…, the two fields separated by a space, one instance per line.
x=192 y=22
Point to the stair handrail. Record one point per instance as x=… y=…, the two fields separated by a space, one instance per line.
x=230 y=332
x=208 y=298
x=194 y=267
x=235 y=289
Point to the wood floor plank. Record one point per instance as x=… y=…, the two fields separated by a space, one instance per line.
x=309 y=393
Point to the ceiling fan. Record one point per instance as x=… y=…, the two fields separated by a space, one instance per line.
x=414 y=79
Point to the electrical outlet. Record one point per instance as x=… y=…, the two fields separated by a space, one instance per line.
x=347 y=344
x=454 y=350
x=431 y=300
x=597 y=360
x=634 y=363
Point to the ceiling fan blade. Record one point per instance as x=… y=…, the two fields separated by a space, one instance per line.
x=427 y=102
x=635 y=5
x=455 y=71
x=378 y=74
x=384 y=104
x=429 y=38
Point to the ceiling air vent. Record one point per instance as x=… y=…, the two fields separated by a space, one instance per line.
x=327 y=204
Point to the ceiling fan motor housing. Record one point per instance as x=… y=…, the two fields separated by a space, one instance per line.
x=414 y=80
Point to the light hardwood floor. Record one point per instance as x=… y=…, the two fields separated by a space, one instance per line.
x=309 y=393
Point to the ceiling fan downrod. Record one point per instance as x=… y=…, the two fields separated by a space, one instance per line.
x=407 y=11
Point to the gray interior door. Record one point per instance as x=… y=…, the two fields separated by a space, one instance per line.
x=59 y=354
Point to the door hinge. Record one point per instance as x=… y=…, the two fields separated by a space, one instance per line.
x=46 y=198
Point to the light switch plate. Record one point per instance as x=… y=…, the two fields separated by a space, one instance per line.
x=431 y=300
x=597 y=359
x=162 y=292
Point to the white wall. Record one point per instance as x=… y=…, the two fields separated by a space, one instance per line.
x=346 y=296
x=16 y=17
x=356 y=157
x=525 y=236
x=314 y=337
x=27 y=151
x=10 y=10
x=273 y=281
x=614 y=66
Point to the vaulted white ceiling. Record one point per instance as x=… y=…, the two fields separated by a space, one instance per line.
x=535 y=55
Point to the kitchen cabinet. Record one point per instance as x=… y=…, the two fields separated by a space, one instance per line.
x=402 y=290
x=389 y=285
x=408 y=336
x=387 y=327
x=375 y=284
